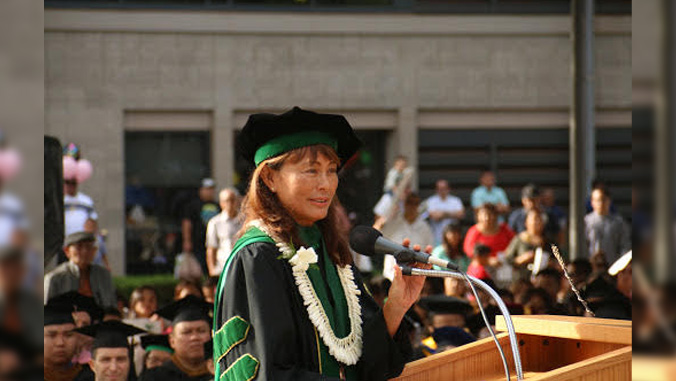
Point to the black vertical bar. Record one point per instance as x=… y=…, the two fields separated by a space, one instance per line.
x=582 y=134
x=664 y=141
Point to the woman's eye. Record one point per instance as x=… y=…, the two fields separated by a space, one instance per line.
x=311 y=171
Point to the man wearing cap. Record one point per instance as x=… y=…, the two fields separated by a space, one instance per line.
x=79 y=274
x=60 y=344
x=196 y=216
x=78 y=207
x=191 y=328
x=110 y=351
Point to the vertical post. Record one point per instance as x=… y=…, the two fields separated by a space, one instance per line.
x=664 y=143
x=582 y=126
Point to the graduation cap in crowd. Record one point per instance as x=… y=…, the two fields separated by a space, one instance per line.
x=156 y=343
x=442 y=304
x=265 y=136
x=73 y=238
x=79 y=303
x=56 y=314
x=190 y=308
x=452 y=336
x=110 y=334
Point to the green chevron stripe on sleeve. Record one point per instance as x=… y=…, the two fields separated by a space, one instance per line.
x=244 y=369
x=233 y=332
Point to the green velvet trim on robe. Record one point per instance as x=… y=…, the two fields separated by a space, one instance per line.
x=244 y=369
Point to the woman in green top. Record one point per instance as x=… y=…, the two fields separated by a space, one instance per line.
x=451 y=247
x=289 y=304
x=521 y=250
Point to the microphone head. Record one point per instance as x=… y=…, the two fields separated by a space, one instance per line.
x=363 y=240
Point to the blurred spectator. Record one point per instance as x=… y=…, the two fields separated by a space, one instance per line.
x=530 y=199
x=606 y=232
x=443 y=209
x=79 y=274
x=397 y=185
x=221 y=231
x=598 y=184
x=101 y=256
x=549 y=204
x=480 y=259
x=579 y=270
x=550 y=281
x=406 y=225
x=209 y=289
x=196 y=215
x=395 y=175
x=77 y=206
x=606 y=301
x=142 y=302
x=521 y=251
x=520 y=288
x=488 y=232
x=537 y=301
x=185 y=288
x=20 y=309
x=489 y=193
x=451 y=247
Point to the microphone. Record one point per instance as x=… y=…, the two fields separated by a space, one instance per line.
x=370 y=242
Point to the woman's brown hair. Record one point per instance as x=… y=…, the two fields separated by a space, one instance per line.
x=260 y=203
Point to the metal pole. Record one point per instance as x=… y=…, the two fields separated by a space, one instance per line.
x=664 y=143
x=582 y=126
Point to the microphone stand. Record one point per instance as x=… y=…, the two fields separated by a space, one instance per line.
x=503 y=308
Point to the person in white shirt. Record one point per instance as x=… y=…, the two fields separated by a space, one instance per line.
x=443 y=209
x=78 y=208
x=408 y=224
x=221 y=231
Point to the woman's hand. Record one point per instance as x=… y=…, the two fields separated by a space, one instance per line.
x=404 y=291
x=525 y=258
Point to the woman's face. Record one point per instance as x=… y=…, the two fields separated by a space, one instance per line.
x=146 y=304
x=306 y=188
x=453 y=238
x=486 y=218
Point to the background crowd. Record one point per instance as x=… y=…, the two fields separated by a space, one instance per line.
x=505 y=244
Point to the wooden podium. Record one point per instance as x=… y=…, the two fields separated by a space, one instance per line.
x=551 y=348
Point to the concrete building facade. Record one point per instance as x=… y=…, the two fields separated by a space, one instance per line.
x=111 y=71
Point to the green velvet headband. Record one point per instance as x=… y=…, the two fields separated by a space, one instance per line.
x=286 y=143
x=159 y=348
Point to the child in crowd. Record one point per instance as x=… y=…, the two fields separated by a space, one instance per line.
x=478 y=267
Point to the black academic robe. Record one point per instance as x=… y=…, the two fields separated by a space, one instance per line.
x=169 y=371
x=260 y=289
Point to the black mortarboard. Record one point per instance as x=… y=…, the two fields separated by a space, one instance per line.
x=156 y=342
x=79 y=302
x=268 y=135
x=74 y=238
x=110 y=334
x=190 y=308
x=454 y=336
x=58 y=314
x=442 y=304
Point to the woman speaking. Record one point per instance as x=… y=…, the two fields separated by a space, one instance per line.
x=289 y=304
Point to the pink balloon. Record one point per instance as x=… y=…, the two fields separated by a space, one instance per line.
x=84 y=170
x=10 y=164
x=69 y=168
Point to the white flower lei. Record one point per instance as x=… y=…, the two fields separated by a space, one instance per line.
x=348 y=349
